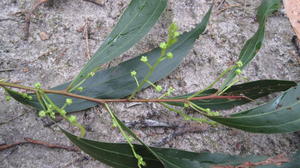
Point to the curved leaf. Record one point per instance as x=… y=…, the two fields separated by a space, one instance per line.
x=136 y=21
x=116 y=82
x=252 y=90
x=253 y=45
x=278 y=116
x=119 y=155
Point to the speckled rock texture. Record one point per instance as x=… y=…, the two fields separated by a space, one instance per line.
x=56 y=51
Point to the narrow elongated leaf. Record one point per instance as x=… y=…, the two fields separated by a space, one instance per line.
x=116 y=82
x=119 y=155
x=253 y=45
x=251 y=90
x=136 y=21
x=278 y=116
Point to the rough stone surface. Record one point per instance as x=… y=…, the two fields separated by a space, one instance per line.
x=61 y=57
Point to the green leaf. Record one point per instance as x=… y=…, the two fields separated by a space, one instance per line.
x=134 y=24
x=280 y=115
x=253 y=45
x=252 y=90
x=117 y=82
x=119 y=155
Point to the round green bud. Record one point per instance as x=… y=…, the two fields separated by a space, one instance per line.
x=186 y=105
x=133 y=73
x=130 y=139
x=238 y=71
x=72 y=119
x=29 y=97
x=186 y=117
x=158 y=88
x=37 y=85
x=7 y=98
x=42 y=113
x=140 y=160
x=69 y=101
x=215 y=114
x=91 y=74
x=163 y=45
x=63 y=112
x=52 y=114
x=208 y=109
x=176 y=34
x=239 y=64
x=50 y=107
x=170 y=55
x=170 y=91
x=80 y=89
x=114 y=123
x=144 y=59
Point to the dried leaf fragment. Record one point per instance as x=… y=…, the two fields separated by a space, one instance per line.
x=44 y=36
x=292 y=8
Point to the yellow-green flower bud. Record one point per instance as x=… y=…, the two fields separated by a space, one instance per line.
x=7 y=98
x=80 y=89
x=72 y=119
x=144 y=59
x=239 y=64
x=170 y=55
x=63 y=112
x=170 y=91
x=158 y=88
x=37 y=85
x=29 y=97
x=42 y=113
x=69 y=101
x=133 y=73
x=91 y=74
x=163 y=45
x=186 y=105
x=238 y=71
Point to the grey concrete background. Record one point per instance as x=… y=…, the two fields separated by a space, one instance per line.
x=61 y=57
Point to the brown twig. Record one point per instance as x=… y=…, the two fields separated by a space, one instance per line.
x=38 y=142
x=28 y=15
x=86 y=36
x=65 y=93
x=97 y=2
x=48 y=145
x=7 y=70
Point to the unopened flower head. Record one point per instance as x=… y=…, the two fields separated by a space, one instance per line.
x=186 y=105
x=63 y=112
x=91 y=74
x=72 y=119
x=7 y=98
x=42 y=113
x=170 y=55
x=238 y=71
x=170 y=91
x=69 y=101
x=80 y=89
x=158 y=88
x=163 y=45
x=239 y=64
x=133 y=73
x=144 y=59
x=37 y=85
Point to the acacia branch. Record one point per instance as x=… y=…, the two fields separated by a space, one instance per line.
x=65 y=93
